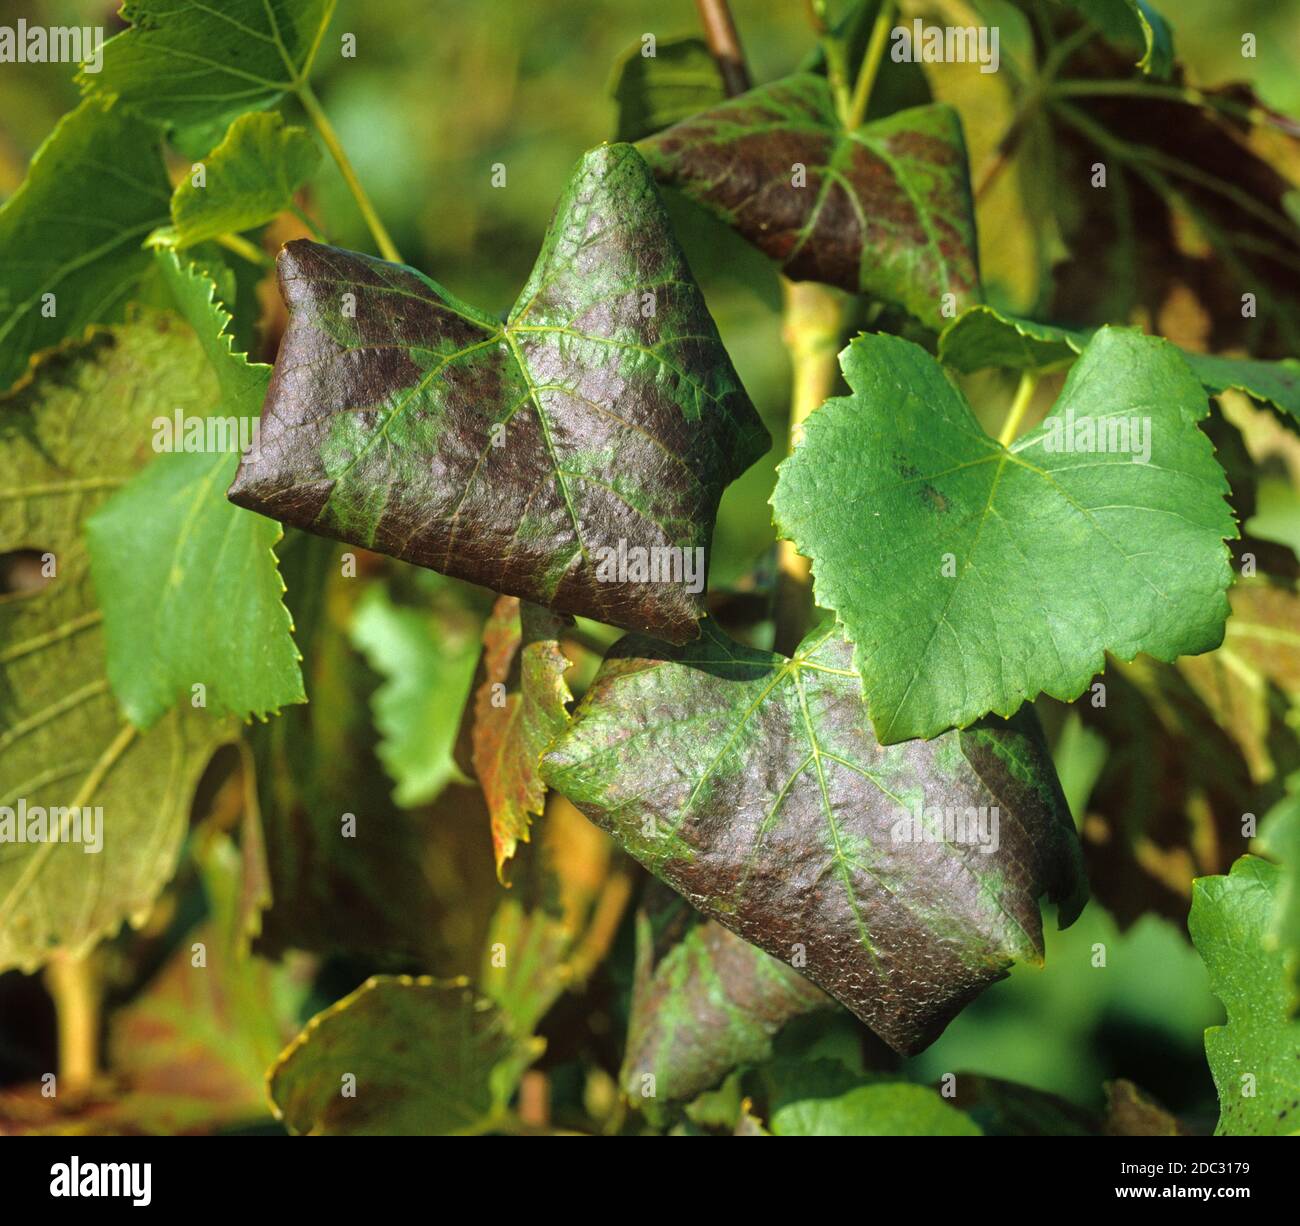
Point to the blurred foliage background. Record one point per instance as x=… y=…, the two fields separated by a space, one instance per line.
x=438 y=93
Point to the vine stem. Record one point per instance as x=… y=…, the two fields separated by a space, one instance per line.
x=73 y=983
x=812 y=320
x=724 y=45
x=871 y=62
x=242 y=247
x=1019 y=406
x=325 y=129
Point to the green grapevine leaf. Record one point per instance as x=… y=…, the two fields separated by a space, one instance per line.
x=63 y=741
x=656 y=91
x=983 y=336
x=71 y=236
x=940 y=550
x=427 y=666
x=599 y=423
x=189 y=584
x=519 y=709
x=885 y=209
x=248 y=179
x=703 y=1003
x=752 y=785
x=196 y=66
x=1254 y=1057
x=1275 y=383
x=428 y=1059
x=888 y=1109
x=1279 y=837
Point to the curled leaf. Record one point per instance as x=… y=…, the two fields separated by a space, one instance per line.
x=752 y=785
x=883 y=209
x=573 y=455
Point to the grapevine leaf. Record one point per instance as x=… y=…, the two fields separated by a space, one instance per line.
x=1260 y=654
x=983 y=336
x=427 y=666
x=248 y=179
x=63 y=742
x=429 y=1059
x=653 y=92
x=940 y=549
x=752 y=785
x=1275 y=383
x=1173 y=170
x=192 y=1049
x=519 y=709
x=1133 y=24
x=196 y=66
x=74 y=230
x=885 y=209
x=887 y=1109
x=1254 y=1057
x=704 y=1002
x=189 y=584
x=1279 y=837
x=599 y=423
x=531 y=952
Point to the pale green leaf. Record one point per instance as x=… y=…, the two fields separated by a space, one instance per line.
x=428 y=668
x=63 y=741
x=188 y=582
x=248 y=179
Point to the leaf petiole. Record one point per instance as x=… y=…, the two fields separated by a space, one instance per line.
x=871 y=61
x=1019 y=406
x=326 y=131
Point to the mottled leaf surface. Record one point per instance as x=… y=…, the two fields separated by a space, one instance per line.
x=885 y=210
x=75 y=229
x=941 y=551
x=1255 y=1058
x=752 y=785
x=188 y=583
x=519 y=709
x=528 y=456
x=704 y=1002
x=63 y=739
x=248 y=179
x=429 y=1058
